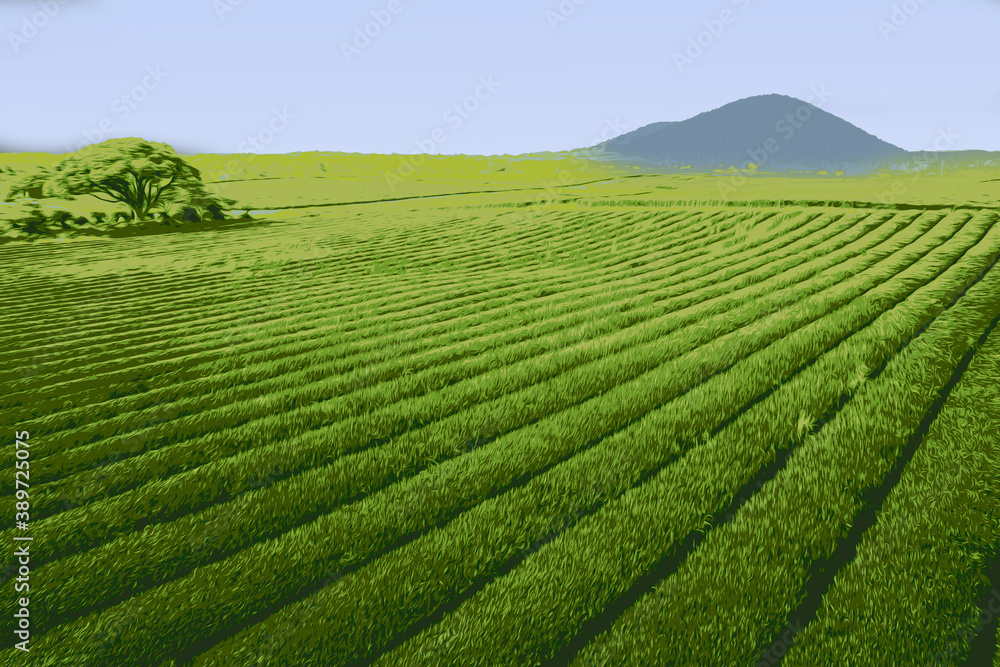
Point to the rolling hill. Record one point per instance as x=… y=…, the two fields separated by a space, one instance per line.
x=773 y=131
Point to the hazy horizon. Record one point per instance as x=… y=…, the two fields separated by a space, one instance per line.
x=227 y=76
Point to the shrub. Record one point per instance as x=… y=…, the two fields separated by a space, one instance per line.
x=60 y=219
x=216 y=212
x=30 y=185
x=34 y=220
x=164 y=218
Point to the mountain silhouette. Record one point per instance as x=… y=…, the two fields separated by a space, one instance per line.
x=772 y=131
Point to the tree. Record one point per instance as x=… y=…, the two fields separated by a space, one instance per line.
x=140 y=174
x=28 y=185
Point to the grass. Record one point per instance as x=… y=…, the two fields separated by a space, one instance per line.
x=579 y=415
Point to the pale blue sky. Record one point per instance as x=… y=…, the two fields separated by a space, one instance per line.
x=277 y=71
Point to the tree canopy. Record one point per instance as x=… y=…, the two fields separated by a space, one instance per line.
x=140 y=174
x=30 y=184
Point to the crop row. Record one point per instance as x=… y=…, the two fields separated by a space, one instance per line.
x=201 y=369
x=346 y=323
x=312 y=446
x=934 y=535
x=366 y=372
x=358 y=531
x=731 y=598
x=324 y=403
x=429 y=374
x=162 y=308
x=216 y=310
x=183 y=292
x=90 y=370
x=374 y=340
x=479 y=542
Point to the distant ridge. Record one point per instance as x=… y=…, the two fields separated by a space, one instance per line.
x=771 y=131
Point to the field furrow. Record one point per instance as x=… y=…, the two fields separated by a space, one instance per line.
x=605 y=426
x=482 y=540
x=457 y=485
x=346 y=323
x=278 y=461
x=308 y=393
x=766 y=553
x=938 y=526
x=113 y=417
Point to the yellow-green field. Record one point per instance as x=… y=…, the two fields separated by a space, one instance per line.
x=562 y=413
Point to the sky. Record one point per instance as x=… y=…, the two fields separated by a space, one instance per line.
x=485 y=78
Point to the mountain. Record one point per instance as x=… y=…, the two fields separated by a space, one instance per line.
x=772 y=131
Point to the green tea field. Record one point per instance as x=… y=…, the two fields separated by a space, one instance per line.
x=469 y=431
